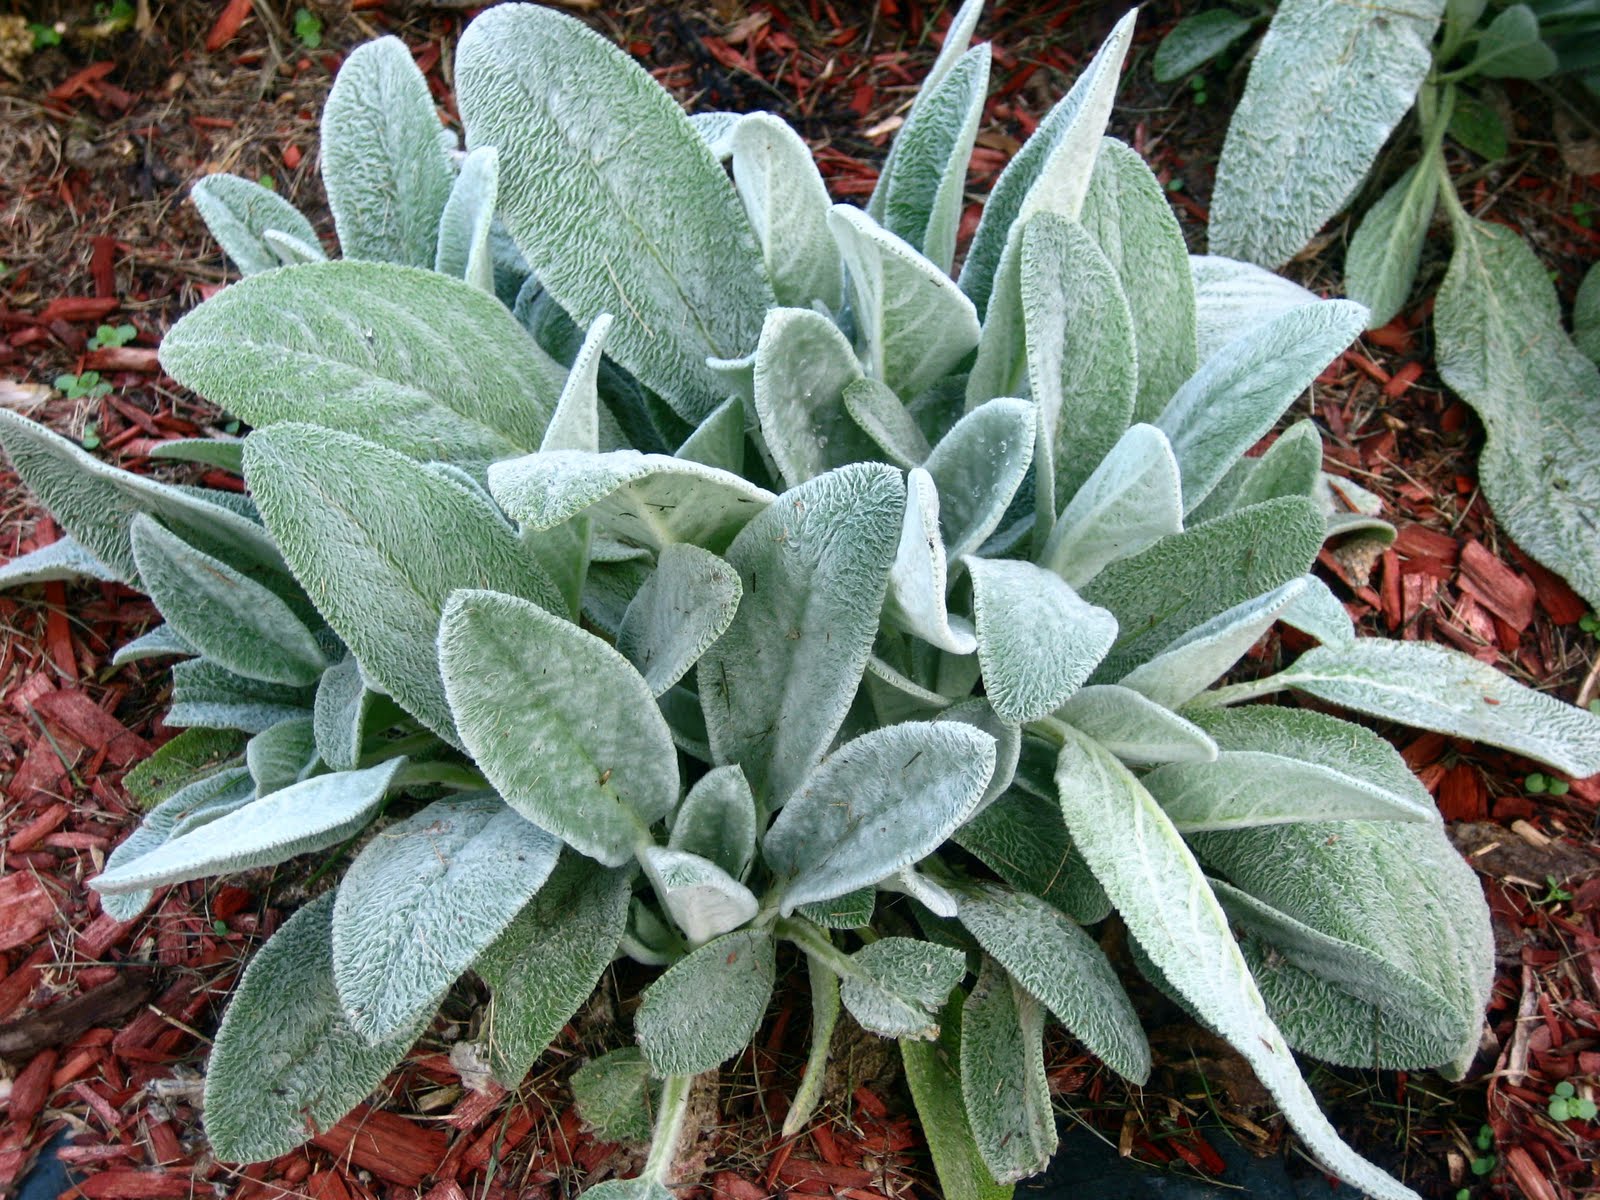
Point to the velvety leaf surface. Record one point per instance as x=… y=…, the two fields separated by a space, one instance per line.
x=546 y=963
x=1022 y=839
x=977 y=468
x=776 y=686
x=464 y=226
x=419 y=362
x=319 y=812
x=562 y=725
x=913 y=323
x=339 y=713
x=1502 y=349
x=96 y=503
x=1327 y=87
x=1082 y=363
x=1038 y=640
x=898 y=984
x=281 y=756
x=222 y=613
x=614 y=1095
x=379 y=542
x=64 y=558
x=1162 y=896
x=703 y=899
x=424 y=899
x=803 y=366
x=1233 y=298
x=876 y=804
x=648 y=500
x=1002 y=1076
x=682 y=609
x=616 y=202
x=920 y=575
x=239 y=212
x=1400 y=963
x=1239 y=393
x=285 y=1062
x=707 y=1005
x=1061 y=966
x=1131 y=500
x=717 y=820
x=1431 y=687
x=383 y=165
x=1135 y=728
x=1126 y=212
x=209 y=696
x=1386 y=248
x=787 y=204
x=1186 y=579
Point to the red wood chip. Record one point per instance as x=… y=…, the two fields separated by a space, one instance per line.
x=1496 y=586
x=139 y=1185
x=31 y=1089
x=27 y=909
x=35 y=831
x=799 y=1170
x=1462 y=794
x=728 y=1186
x=80 y=308
x=1413 y=541
x=74 y=712
x=390 y=1147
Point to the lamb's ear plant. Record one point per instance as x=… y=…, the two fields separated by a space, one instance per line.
x=1329 y=85
x=893 y=642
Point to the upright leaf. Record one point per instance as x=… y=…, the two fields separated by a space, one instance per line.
x=379 y=542
x=978 y=467
x=385 y=170
x=1327 y=87
x=281 y=756
x=562 y=725
x=240 y=212
x=616 y=202
x=221 y=613
x=913 y=324
x=1130 y=501
x=1038 y=641
x=684 y=607
x=1502 y=349
x=703 y=899
x=339 y=714
x=1082 y=364
x=1052 y=169
x=463 y=247
x=920 y=575
x=803 y=366
x=875 y=805
x=1381 y=264
x=546 y=963
x=919 y=195
x=1158 y=887
x=1126 y=212
x=1233 y=298
x=707 y=1005
x=776 y=686
x=286 y=1063
x=415 y=361
x=424 y=899
x=717 y=820
x=787 y=203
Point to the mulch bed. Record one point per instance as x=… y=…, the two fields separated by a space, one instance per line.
x=103 y=1025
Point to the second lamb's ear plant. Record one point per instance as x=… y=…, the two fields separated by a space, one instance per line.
x=910 y=670
x=1328 y=86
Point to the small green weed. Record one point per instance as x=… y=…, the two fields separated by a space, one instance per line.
x=86 y=386
x=308 y=28
x=112 y=335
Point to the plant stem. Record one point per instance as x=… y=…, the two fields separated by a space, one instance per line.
x=669 y=1128
x=815 y=942
x=1239 y=692
x=446 y=774
x=407 y=745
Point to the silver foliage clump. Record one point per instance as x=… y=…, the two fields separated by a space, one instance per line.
x=688 y=563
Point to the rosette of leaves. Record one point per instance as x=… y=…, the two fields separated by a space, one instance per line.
x=1329 y=85
x=680 y=566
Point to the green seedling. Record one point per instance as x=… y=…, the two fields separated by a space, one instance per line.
x=112 y=335
x=84 y=386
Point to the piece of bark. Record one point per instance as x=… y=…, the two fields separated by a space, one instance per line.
x=61 y=1023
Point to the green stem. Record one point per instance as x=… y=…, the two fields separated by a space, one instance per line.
x=669 y=1128
x=1459 y=217
x=815 y=942
x=1239 y=692
x=406 y=746
x=446 y=774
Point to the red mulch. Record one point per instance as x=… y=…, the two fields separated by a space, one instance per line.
x=103 y=1025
